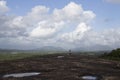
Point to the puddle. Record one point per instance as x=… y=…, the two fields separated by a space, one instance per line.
x=89 y=78
x=19 y=75
x=60 y=56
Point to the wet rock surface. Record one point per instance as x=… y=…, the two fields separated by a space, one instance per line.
x=19 y=75
x=66 y=68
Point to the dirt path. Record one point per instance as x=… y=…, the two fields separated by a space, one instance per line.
x=53 y=67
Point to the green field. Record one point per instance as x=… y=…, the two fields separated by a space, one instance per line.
x=9 y=56
x=22 y=55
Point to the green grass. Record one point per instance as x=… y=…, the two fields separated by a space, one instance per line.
x=113 y=55
x=22 y=55
x=9 y=56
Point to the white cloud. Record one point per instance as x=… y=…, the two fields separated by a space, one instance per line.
x=77 y=34
x=46 y=31
x=70 y=11
x=66 y=27
x=17 y=22
x=15 y=26
x=92 y=40
x=37 y=13
x=3 y=7
x=52 y=23
x=73 y=13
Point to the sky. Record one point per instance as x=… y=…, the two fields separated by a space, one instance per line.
x=70 y=24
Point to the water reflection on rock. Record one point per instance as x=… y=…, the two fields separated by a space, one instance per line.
x=89 y=77
x=18 y=75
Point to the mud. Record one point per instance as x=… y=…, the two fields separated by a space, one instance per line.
x=69 y=67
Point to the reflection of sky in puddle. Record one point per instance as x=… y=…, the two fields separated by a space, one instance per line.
x=60 y=56
x=17 y=75
x=89 y=78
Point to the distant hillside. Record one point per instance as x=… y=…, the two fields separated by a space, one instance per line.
x=42 y=49
x=92 y=48
x=13 y=51
x=50 y=48
x=8 y=50
x=113 y=55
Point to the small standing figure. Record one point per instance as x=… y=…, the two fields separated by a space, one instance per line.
x=70 y=52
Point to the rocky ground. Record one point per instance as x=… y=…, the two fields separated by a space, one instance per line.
x=69 y=67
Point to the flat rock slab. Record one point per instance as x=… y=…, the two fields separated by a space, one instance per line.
x=19 y=75
x=67 y=68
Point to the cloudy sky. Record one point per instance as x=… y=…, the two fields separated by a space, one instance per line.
x=84 y=24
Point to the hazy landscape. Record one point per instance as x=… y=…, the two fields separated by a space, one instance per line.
x=60 y=40
x=19 y=64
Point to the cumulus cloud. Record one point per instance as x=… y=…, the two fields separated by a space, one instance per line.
x=46 y=31
x=92 y=40
x=3 y=7
x=51 y=24
x=76 y=34
x=73 y=13
x=67 y=27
